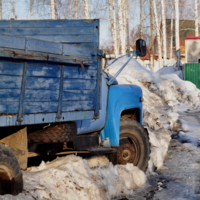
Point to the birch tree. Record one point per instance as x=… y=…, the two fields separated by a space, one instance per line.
x=157 y=33
x=121 y=28
x=112 y=16
x=13 y=9
x=171 y=31
x=86 y=10
x=76 y=2
x=163 y=11
x=196 y=17
x=176 y=2
x=141 y=19
x=1 y=10
x=126 y=24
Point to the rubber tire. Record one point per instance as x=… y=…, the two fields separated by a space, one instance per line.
x=9 y=165
x=133 y=135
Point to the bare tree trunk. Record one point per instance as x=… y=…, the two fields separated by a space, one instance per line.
x=53 y=15
x=141 y=20
x=1 y=10
x=121 y=28
x=152 y=36
x=126 y=25
x=86 y=10
x=31 y=9
x=111 y=5
x=76 y=7
x=196 y=18
x=13 y=9
x=171 y=30
x=177 y=31
x=163 y=8
x=158 y=35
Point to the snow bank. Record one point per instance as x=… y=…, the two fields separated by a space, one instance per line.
x=71 y=178
x=165 y=94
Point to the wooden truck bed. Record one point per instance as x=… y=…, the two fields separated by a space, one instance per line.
x=48 y=81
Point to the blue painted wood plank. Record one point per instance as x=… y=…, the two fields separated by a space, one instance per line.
x=50 y=31
x=10 y=120
x=7 y=95
x=42 y=70
x=40 y=107
x=79 y=52
x=83 y=39
x=92 y=66
x=9 y=107
x=79 y=73
x=77 y=84
x=10 y=82
x=42 y=83
x=81 y=95
x=49 y=23
x=77 y=105
x=44 y=46
x=41 y=95
x=12 y=42
x=9 y=68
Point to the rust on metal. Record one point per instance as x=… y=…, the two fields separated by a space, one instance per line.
x=82 y=66
x=126 y=154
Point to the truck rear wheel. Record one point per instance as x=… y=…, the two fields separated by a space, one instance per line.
x=134 y=144
x=11 y=181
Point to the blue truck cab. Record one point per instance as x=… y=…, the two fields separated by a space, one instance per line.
x=56 y=98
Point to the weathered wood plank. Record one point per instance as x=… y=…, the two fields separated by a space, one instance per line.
x=77 y=105
x=10 y=120
x=7 y=95
x=49 y=31
x=70 y=84
x=43 y=46
x=38 y=56
x=79 y=73
x=44 y=70
x=42 y=83
x=79 y=52
x=41 y=95
x=48 y=23
x=40 y=107
x=9 y=107
x=75 y=95
x=9 y=68
x=84 y=39
x=12 y=42
x=10 y=82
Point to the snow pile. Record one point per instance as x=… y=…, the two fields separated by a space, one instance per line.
x=164 y=95
x=71 y=177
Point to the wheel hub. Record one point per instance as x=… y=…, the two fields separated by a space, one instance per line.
x=126 y=154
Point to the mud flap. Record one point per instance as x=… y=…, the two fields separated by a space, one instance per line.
x=18 y=142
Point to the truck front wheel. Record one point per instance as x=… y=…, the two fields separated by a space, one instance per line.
x=134 y=144
x=11 y=181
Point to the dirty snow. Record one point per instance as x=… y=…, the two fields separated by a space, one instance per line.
x=166 y=96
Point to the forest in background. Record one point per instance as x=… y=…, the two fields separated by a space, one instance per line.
x=126 y=20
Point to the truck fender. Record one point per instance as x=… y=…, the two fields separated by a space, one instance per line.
x=120 y=98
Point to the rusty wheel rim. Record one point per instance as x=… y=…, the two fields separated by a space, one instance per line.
x=129 y=151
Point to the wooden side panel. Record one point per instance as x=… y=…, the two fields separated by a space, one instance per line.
x=80 y=32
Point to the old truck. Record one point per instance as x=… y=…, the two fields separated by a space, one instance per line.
x=55 y=98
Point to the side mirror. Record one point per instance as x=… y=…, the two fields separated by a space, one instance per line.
x=141 y=48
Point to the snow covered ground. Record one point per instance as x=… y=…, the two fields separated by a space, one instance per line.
x=73 y=178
